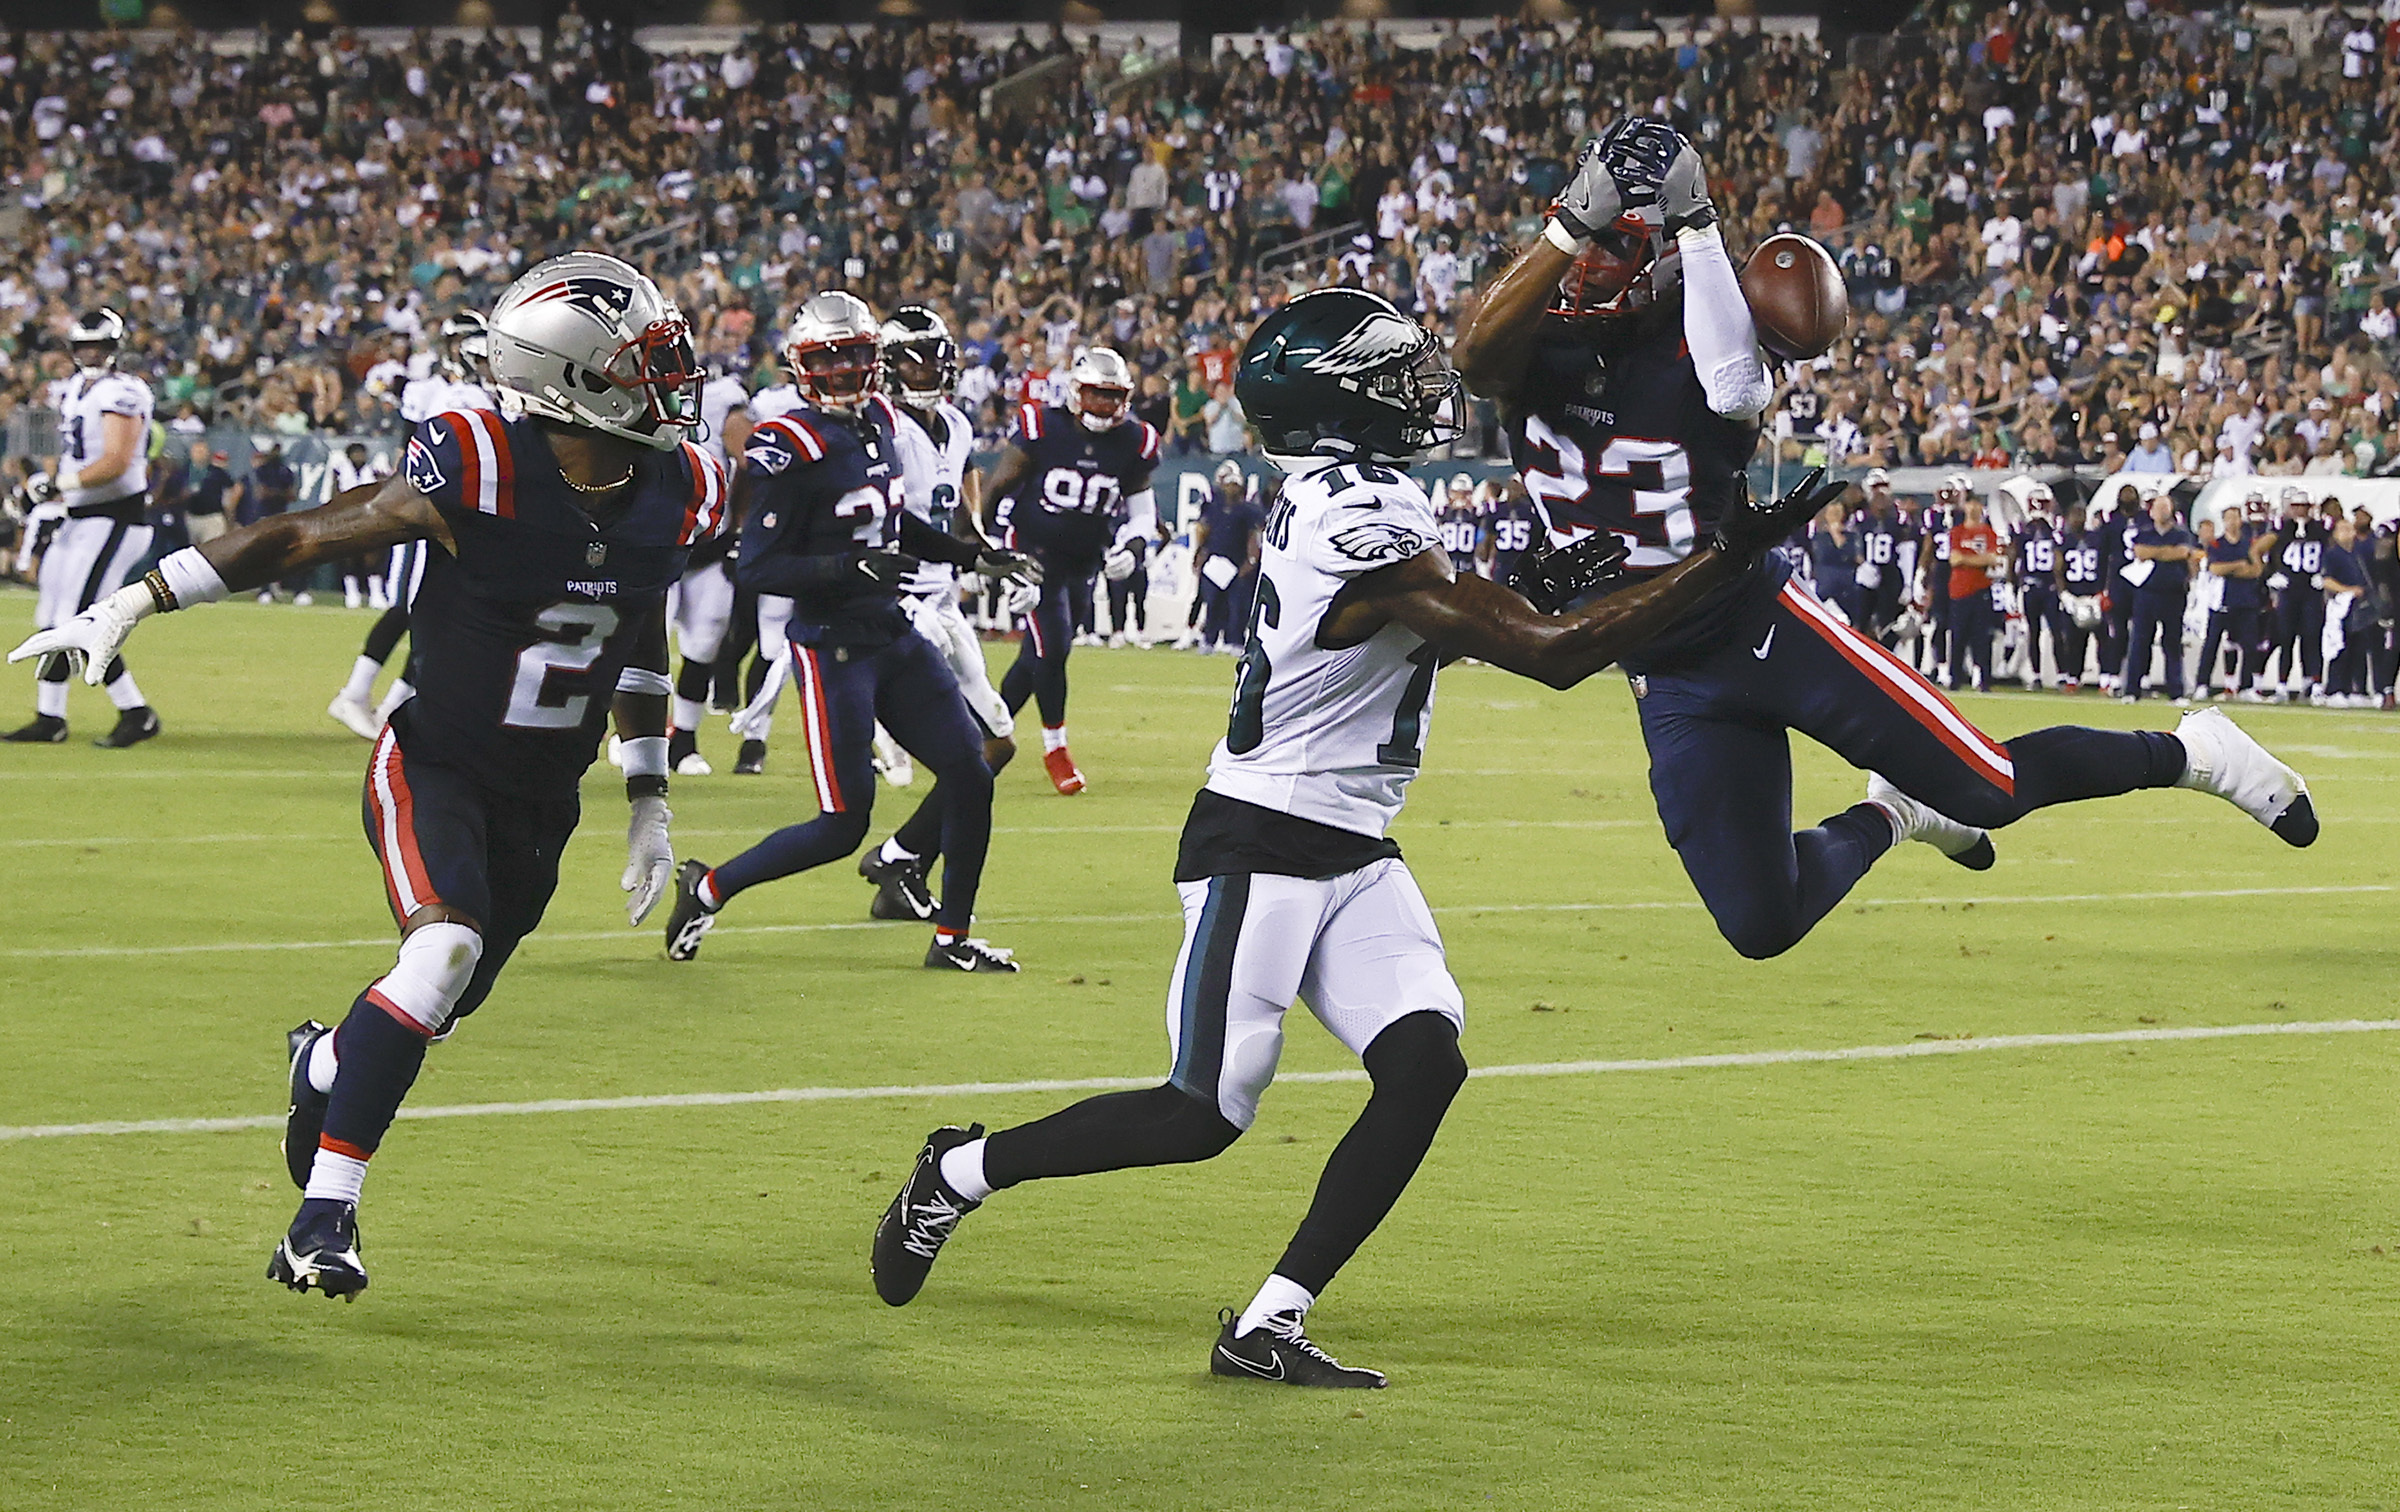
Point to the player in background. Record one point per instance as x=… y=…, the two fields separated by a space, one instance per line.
x=461 y=382
x=1072 y=489
x=703 y=603
x=99 y=484
x=935 y=439
x=2035 y=548
x=1933 y=555
x=2298 y=559
x=1291 y=887
x=1622 y=352
x=1887 y=557
x=554 y=538
x=2082 y=578
x=1224 y=554
x=829 y=528
x=353 y=467
x=1511 y=528
x=1973 y=549
x=2237 y=560
x=1458 y=518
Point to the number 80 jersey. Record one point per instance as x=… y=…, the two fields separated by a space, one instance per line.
x=1331 y=735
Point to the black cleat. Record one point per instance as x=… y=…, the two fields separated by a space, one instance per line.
x=1278 y=1351
x=920 y=1220
x=321 y=1251
x=304 y=1120
x=968 y=955
x=46 y=729
x=752 y=760
x=133 y=727
x=900 y=890
x=689 y=922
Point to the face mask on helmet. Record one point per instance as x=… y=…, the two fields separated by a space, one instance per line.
x=922 y=372
x=661 y=365
x=836 y=375
x=1102 y=406
x=1612 y=275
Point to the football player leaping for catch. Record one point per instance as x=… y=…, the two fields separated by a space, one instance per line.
x=1622 y=352
x=556 y=536
x=1290 y=886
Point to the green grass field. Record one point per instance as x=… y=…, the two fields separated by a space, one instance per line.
x=2133 y=1274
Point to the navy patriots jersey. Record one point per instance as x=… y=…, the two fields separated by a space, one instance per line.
x=1073 y=499
x=519 y=638
x=1879 y=548
x=1460 y=526
x=823 y=488
x=1512 y=524
x=2079 y=558
x=1623 y=440
x=2037 y=555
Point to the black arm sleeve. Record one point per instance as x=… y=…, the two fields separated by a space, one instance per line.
x=919 y=539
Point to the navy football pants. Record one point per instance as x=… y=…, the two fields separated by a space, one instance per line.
x=844 y=692
x=1721 y=764
x=2157 y=622
x=1040 y=670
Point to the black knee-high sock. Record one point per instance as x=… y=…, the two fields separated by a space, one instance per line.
x=385 y=634
x=692 y=680
x=1417 y=1071
x=1112 y=1132
x=379 y=1058
x=2069 y=762
x=114 y=670
x=52 y=669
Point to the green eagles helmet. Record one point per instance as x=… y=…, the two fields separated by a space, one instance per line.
x=1344 y=365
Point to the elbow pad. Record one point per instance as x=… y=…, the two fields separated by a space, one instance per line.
x=1141 y=517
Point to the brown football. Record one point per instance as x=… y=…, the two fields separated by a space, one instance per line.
x=1796 y=297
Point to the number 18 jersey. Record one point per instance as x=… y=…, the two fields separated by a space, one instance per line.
x=1330 y=735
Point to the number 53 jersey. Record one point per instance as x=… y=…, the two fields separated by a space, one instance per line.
x=1330 y=733
x=521 y=635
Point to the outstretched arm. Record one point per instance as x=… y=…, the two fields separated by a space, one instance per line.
x=1496 y=347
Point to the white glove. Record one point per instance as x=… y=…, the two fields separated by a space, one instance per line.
x=649 y=856
x=1021 y=598
x=90 y=640
x=751 y=723
x=1119 y=564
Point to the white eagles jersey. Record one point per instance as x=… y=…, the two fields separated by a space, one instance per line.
x=1330 y=736
x=343 y=477
x=81 y=401
x=771 y=403
x=434 y=395
x=720 y=397
x=933 y=478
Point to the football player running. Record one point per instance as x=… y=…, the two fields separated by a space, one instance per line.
x=703 y=603
x=828 y=526
x=920 y=371
x=99 y=485
x=1072 y=487
x=553 y=538
x=1290 y=885
x=1622 y=352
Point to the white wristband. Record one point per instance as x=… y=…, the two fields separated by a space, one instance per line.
x=645 y=756
x=1560 y=237
x=190 y=578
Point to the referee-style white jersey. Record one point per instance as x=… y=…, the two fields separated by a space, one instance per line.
x=933 y=476
x=1332 y=736
x=81 y=402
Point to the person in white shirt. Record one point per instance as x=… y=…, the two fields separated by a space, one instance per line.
x=100 y=483
x=362 y=580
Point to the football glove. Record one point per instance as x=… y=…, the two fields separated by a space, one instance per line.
x=40 y=489
x=1013 y=566
x=1021 y=597
x=1552 y=577
x=1683 y=194
x=90 y=640
x=1120 y=563
x=1749 y=529
x=886 y=569
x=1639 y=153
x=1591 y=201
x=649 y=856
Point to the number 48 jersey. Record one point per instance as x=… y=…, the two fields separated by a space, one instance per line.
x=1333 y=734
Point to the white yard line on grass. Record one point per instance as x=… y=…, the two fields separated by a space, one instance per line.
x=222 y=947
x=1911 y=1050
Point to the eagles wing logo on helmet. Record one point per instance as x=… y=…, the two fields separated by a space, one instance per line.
x=1377 y=543
x=604 y=297
x=1371 y=344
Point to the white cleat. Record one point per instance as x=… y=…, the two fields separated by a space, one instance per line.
x=2220 y=757
x=354 y=715
x=694 y=765
x=1911 y=820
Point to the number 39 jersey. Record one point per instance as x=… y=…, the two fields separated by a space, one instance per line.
x=1330 y=735
x=1618 y=436
x=521 y=635
x=1074 y=495
x=933 y=473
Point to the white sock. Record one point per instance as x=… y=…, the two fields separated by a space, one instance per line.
x=337 y=1177
x=363 y=673
x=687 y=713
x=393 y=697
x=322 y=1063
x=1054 y=738
x=50 y=698
x=707 y=893
x=125 y=693
x=962 y=1168
x=892 y=852
x=1277 y=1296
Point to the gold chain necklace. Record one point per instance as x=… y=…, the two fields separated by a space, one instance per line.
x=597 y=488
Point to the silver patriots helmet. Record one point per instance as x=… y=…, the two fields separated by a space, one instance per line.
x=834 y=351
x=590 y=341
x=1100 y=389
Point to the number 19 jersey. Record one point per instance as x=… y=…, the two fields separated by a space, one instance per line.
x=1331 y=735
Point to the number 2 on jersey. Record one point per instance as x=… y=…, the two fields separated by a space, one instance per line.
x=550 y=672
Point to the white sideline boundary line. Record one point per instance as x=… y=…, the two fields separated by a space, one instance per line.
x=1912 y=1050
x=385 y=941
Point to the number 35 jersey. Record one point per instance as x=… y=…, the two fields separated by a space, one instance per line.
x=1330 y=735
x=521 y=635
x=1618 y=436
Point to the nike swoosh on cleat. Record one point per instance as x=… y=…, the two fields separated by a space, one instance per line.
x=1265 y=1375
x=1763 y=647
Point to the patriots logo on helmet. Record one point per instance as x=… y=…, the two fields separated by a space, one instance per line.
x=1377 y=543
x=604 y=297
x=1370 y=344
x=423 y=473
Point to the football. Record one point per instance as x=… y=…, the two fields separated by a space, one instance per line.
x=1796 y=297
